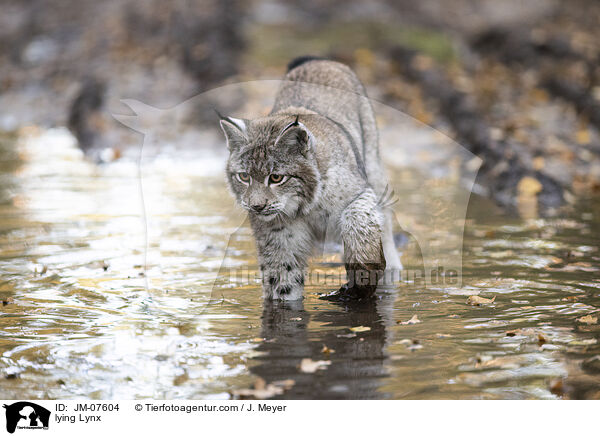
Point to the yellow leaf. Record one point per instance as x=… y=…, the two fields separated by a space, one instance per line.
x=583 y=136
x=359 y=329
x=528 y=186
x=327 y=350
x=364 y=57
x=588 y=319
x=538 y=163
x=475 y=300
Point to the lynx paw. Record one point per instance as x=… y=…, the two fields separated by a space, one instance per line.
x=350 y=293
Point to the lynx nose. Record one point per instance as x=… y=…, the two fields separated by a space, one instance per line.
x=258 y=207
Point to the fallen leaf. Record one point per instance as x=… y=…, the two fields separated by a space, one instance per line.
x=285 y=384
x=588 y=319
x=364 y=56
x=583 y=136
x=570 y=298
x=181 y=379
x=262 y=390
x=360 y=329
x=309 y=366
x=296 y=319
x=260 y=383
x=528 y=187
x=556 y=387
x=413 y=320
x=501 y=362
x=258 y=339
x=327 y=350
x=475 y=300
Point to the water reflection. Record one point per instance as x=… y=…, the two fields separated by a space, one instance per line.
x=357 y=359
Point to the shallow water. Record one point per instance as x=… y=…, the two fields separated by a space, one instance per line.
x=96 y=307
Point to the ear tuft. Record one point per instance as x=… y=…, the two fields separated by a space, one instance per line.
x=234 y=130
x=295 y=136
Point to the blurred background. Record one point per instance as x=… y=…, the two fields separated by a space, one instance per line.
x=516 y=83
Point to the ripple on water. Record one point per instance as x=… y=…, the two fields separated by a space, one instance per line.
x=87 y=312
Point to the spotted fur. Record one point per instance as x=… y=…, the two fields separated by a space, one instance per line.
x=321 y=137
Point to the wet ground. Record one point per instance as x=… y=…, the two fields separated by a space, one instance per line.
x=88 y=312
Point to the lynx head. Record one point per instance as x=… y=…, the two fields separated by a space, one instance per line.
x=272 y=169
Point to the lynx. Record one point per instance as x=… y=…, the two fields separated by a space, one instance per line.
x=312 y=168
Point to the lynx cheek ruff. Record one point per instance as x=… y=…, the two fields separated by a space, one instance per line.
x=309 y=169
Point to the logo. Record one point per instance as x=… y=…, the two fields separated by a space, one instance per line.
x=26 y=415
x=438 y=170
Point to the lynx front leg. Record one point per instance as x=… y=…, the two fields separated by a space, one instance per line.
x=361 y=228
x=283 y=253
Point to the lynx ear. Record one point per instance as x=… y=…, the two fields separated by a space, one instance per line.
x=296 y=136
x=234 y=130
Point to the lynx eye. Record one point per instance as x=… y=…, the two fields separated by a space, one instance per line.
x=243 y=177
x=276 y=179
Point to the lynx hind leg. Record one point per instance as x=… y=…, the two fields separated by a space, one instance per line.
x=361 y=228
